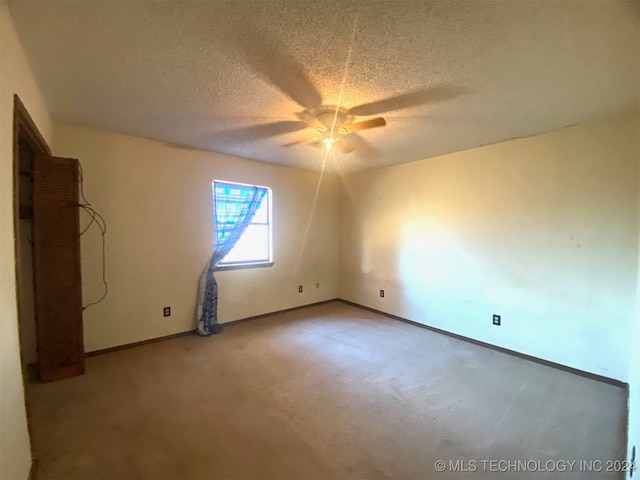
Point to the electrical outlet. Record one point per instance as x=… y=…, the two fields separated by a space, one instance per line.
x=496 y=319
x=382 y=293
x=166 y=311
x=299 y=288
x=317 y=285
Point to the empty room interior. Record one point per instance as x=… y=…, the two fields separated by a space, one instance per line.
x=320 y=240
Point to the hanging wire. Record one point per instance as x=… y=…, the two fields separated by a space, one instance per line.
x=101 y=223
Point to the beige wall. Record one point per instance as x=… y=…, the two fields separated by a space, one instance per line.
x=543 y=231
x=156 y=200
x=15 y=77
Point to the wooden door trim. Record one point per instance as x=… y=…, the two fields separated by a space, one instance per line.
x=23 y=123
x=23 y=127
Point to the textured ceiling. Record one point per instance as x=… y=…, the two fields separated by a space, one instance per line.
x=194 y=73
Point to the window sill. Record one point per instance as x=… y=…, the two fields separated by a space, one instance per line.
x=242 y=266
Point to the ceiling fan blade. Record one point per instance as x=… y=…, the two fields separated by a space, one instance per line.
x=264 y=130
x=364 y=125
x=435 y=94
x=268 y=57
x=344 y=146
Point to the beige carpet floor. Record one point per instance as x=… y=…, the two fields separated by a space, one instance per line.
x=326 y=392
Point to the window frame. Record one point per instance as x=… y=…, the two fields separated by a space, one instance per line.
x=244 y=264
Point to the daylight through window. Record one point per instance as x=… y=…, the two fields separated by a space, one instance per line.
x=254 y=246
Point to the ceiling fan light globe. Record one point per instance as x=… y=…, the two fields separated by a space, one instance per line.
x=328 y=142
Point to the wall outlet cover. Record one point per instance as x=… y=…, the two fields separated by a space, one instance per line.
x=496 y=320
x=299 y=288
x=382 y=293
x=166 y=311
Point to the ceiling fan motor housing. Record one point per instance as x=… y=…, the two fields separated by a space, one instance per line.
x=326 y=118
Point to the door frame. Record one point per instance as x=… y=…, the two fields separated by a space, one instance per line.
x=25 y=129
x=24 y=125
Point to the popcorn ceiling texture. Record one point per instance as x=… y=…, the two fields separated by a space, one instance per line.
x=187 y=72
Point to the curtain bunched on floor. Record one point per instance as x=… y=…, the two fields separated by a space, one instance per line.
x=234 y=208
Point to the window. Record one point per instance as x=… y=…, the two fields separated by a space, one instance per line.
x=253 y=248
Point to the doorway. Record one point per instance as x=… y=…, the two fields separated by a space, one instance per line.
x=47 y=245
x=27 y=142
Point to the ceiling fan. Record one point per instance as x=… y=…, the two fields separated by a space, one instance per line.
x=336 y=126
x=331 y=125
